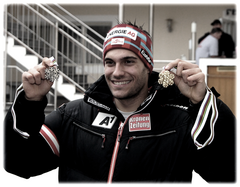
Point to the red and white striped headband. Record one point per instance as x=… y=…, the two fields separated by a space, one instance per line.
x=124 y=36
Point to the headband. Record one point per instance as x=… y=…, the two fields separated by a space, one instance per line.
x=124 y=36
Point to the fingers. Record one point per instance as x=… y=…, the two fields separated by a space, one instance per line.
x=191 y=76
x=47 y=62
x=180 y=64
x=34 y=75
x=187 y=72
x=172 y=64
x=37 y=74
x=184 y=69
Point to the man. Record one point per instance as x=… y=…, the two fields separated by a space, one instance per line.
x=128 y=127
x=209 y=45
x=226 y=47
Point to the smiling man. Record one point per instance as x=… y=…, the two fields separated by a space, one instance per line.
x=127 y=78
x=128 y=127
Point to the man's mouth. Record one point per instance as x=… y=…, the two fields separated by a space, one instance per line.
x=120 y=82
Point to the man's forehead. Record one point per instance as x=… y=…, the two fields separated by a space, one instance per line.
x=120 y=53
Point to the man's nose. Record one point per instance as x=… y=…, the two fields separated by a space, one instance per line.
x=118 y=70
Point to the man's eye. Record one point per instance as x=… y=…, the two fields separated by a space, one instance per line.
x=108 y=62
x=129 y=61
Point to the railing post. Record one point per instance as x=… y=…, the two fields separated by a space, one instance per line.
x=56 y=58
x=84 y=56
x=194 y=29
x=120 y=12
x=5 y=58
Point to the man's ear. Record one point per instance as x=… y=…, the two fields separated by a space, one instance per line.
x=148 y=71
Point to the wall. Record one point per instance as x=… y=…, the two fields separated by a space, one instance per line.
x=94 y=14
x=138 y=13
x=166 y=46
x=92 y=9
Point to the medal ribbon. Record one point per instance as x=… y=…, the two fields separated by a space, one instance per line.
x=23 y=134
x=209 y=102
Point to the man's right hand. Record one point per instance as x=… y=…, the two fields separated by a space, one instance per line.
x=34 y=83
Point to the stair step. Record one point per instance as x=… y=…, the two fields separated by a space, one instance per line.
x=10 y=41
x=29 y=61
x=17 y=51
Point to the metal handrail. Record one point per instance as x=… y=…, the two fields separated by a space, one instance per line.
x=70 y=27
x=16 y=67
x=81 y=45
x=66 y=34
x=67 y=25
x=23 y=44
x=76 y=19
x=82 y=23
x=60 y=72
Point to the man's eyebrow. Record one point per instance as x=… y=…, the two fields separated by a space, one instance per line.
x=124 y=58
x=107 y=59
x=127 y=57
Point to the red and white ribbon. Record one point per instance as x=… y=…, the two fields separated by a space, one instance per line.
x=50 y=138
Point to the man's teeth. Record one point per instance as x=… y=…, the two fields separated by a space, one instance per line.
x=121 y=83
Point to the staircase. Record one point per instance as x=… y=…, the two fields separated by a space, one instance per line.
x=19 y=54
x=37 y=31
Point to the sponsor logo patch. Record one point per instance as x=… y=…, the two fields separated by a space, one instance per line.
x=140 y=122
x=117 y=41
x=104 y=120
x=90 y=100
x=145 y=55
x=122 y=31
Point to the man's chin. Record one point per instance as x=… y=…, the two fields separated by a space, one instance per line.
x=119 y=97
x=124 y=96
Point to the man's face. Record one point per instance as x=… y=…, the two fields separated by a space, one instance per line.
x=218 y=35
x=125 y=73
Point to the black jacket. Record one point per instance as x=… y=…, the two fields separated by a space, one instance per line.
x=153 y=144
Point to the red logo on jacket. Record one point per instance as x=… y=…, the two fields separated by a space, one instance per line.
x=140 y=122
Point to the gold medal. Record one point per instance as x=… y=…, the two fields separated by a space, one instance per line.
x=166 y=78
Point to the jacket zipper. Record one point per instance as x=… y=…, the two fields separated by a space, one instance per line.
x=115 y=152
x=147 y=136
x=93 y=132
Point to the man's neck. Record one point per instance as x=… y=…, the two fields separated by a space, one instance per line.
x=131 y=104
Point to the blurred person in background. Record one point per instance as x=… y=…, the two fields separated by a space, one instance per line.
x=226 y=46
x=208 y=47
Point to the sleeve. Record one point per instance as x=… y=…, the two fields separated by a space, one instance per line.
x=229 y=47
x=213 y=50
x=216 y=161
x=29 y=155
